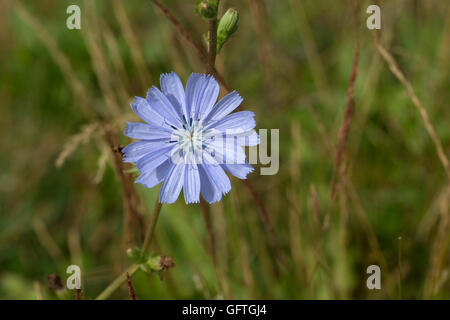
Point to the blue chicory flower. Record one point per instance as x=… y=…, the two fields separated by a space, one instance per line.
x=189 y=141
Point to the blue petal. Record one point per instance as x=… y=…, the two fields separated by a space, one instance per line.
x=193 y=87
x=248 y=138
x=172 y=87
x=152 y=178
x=136 y=150
x=219 y=177
x=208 y=98
x=226 y=150
x=173 y=182
x=138 y=130
x=191 y=187
x=214 y=182
x=159 y=102
x=143 y=110
x=235 y=123
x=208 y=188
x=152 y=160
x=238 y=170
x=201 y=94
x=226 y=105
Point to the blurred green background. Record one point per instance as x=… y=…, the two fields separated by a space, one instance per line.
x=61 y=198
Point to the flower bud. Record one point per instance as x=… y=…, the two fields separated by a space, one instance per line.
x=153 y=262
x=158 y=263
x=227 y=26
x=135 y=255
x=207 y=8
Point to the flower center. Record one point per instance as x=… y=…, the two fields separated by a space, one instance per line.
x=189 y=139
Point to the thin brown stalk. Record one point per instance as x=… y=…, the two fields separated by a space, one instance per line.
x=181 y=29
x=295 y=232
x=98 y=61
x=295 y=235
x=322 y=129
x=312 y=53
x=130 y=288
x=360 y=212
x=75 y=141
x=213 y=252
x=353 y=195
x=79 y=90
x=209 y=230
x=345 y=126
x=131 y=201
x=212 y=46
x=132 y=42
x=117 y=64
x=78 y=294
x=393 y=66
x=185 y=34
x=151 y=227
x=439 y=252
x=46 y=239
x=315 y=208
x=399 y=261
x=243 y=247
x=442 y=54
x=257 y=13
x=267 y=222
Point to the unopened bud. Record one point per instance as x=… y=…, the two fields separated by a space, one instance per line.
x=153 y=262
x=135 y=255
x=227 y=26
x=207 y=8
x=158 y=263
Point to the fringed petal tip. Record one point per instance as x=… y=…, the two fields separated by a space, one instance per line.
x=191 y=201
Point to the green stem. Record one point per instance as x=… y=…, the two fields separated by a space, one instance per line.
x=113 y=286
x=151 y=227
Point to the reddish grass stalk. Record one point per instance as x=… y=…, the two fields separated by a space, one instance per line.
x=212 y=46
x=212 y=249
x=78 y=294
x=267 y=222
x=345 y=127
x=130 y=288
x=257 y=12
x=211 y=240
x=130 y=198
x=185 y=34
x=181 y=29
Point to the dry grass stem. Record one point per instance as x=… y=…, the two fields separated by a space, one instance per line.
x=393 y=66
x=131 y=201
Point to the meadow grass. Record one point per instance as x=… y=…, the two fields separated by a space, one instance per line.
x=362 y=162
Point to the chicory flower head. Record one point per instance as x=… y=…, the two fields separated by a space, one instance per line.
x=189 y=140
